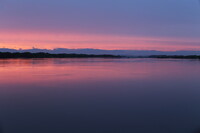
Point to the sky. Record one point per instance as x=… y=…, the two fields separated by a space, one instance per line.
x=166 y=25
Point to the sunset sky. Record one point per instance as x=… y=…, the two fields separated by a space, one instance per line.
x=100 y=24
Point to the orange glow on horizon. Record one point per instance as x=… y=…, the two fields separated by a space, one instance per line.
x=74 y=41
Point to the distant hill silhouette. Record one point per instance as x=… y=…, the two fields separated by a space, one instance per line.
x=102 y=52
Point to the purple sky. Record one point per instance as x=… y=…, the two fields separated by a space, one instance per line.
x=109 y=24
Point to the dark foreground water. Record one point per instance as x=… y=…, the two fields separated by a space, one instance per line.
x=99 y=96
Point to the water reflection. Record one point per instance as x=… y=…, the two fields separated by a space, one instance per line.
x=1 y=129
x=99 y=96
x=198 y=131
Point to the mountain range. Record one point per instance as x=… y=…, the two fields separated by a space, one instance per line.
x=101 y=51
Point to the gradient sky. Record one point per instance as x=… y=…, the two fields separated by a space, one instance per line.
x=104 y=24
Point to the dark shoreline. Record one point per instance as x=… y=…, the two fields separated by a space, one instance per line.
x=175 y=56
x=9 y=55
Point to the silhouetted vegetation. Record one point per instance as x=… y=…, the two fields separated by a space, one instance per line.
x=48 y=55
x=176 y=56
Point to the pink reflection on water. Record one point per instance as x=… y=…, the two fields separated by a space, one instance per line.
x=54 y=71
x=116 y=92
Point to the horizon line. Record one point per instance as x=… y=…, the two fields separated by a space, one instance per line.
x=18 y=49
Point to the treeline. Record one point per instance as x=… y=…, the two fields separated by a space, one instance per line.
x=176 y=56
x=48 y=55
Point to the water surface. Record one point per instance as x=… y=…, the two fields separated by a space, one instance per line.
x=99 y=96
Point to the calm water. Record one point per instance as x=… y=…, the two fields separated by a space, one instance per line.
x=99 y=96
